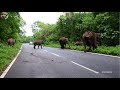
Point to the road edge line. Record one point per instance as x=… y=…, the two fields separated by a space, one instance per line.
x=98 y=54
x=85 y=67
x=104 y=54
x=10 y=65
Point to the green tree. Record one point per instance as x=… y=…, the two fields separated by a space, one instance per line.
x=108 y=25
x=11 y=26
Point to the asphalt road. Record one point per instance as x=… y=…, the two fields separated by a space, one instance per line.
x=58 y=63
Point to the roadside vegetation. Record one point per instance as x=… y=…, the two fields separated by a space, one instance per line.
x=7 y=54
x=101 y=49
x=10 y=28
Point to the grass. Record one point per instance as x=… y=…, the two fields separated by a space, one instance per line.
x=7 y=54
x=101 y=49
x=108 y=50
x=55 y=45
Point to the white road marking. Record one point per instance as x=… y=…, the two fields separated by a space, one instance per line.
x=52 y=53
x=104 y=55
x=97 y=54
x=8 y=68
x=106 y=71
x=55 y=54
x=85 y=67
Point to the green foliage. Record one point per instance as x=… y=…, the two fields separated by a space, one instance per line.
x=26 y=39
x=52 y=44
x=7 y=54
x=46 y=32
x=73 y=24
x=101 y=49
x=52 y=37
x=11 y=26
x=108 y=24
x=89 y=23
x=108 y=50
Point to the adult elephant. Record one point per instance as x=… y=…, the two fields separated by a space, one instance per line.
x=63 y=41
x=11 y=41
x=38 y=42
x=91 y=39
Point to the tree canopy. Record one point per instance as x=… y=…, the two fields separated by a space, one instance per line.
x=74 y=24
x=11 y=27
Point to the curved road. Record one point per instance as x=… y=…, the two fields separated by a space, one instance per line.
x=58 y=63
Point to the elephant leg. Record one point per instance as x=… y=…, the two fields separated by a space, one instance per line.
x=38 y=46
x=84 y=46
x=41 y=46
x=34 y=46
x=90 y=45
x=62 y=45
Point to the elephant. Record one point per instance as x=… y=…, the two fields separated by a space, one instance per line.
x=11 y=41
x=91 y=39
x=38 y=42
x=63 y=41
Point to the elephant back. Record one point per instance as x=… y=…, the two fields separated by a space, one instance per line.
x=89 y=34
x=11 y=41
x=38 y=42
x=89 y=38
x=64 y=39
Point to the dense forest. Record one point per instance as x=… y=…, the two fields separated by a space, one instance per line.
x=73 y=24
x=11 y=27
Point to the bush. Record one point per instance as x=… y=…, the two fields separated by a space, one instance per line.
x=101 y=49
x=7 y=53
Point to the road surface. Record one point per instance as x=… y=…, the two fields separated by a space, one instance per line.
x=58 y=63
